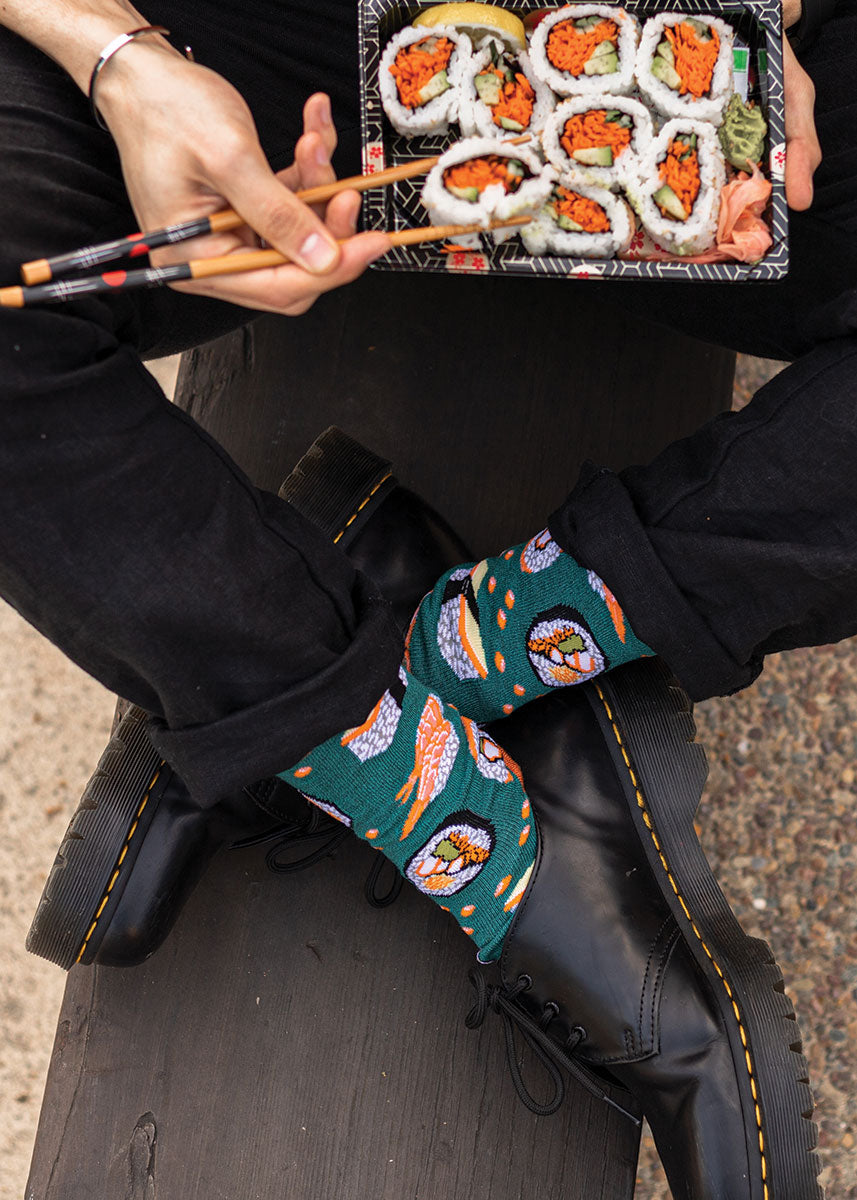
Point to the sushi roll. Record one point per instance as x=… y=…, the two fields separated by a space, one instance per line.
x=480 y=180
x=584 y=221
x=677 y=195
x=598 y=140
x=418 y=78
x=583 y=49
x=500 y=95
x=684 y=65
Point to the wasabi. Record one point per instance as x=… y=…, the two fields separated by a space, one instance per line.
x=742 y=134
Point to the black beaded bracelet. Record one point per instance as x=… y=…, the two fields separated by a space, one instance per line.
x=813 y=15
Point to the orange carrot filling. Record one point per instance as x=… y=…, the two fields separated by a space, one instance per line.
x=580 y=209
x=592 y=128
x=414 y=67
x=569 y=49
x=480 y=173
x=695 y=59
x=516 y=100
x=680 y=171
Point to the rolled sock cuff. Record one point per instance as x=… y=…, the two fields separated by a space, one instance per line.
x=600 y=527
x=264 y=739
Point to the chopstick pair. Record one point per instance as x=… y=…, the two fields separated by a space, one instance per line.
x=43 y=270
x=201 y=268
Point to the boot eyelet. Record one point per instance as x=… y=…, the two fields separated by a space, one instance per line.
x=578 y=1034
x=525 y=981
x=552 y=1008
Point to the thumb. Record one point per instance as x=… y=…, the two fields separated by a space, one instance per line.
x=276 y=215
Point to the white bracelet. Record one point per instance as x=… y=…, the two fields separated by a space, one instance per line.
x=107 y=53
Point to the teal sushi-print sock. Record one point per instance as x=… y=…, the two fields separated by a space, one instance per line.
x=439 y=798
x=495 y=634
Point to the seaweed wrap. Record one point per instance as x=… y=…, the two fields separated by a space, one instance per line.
x=600 y=140
x=500 y=94
x=684 y=65
x=584 y=49
x=589 y=222
x=677 y=195
x=480 y=180
x=418 y=78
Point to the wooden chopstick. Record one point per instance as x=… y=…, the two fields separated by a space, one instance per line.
x=41 y=270
x=201 y=268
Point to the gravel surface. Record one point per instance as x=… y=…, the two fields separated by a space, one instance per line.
x=778 y=820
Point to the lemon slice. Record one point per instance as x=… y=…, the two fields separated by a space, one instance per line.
x=477 y=21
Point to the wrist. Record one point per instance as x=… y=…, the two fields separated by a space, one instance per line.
x=135 y=63
x=791 y=13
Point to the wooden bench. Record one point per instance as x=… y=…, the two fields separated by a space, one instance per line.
x=289 y=1041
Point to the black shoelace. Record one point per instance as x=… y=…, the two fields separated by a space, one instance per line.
x=286 y=837
x=503 y=1001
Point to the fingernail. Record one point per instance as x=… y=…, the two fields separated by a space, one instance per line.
x=317 y=253
x=326 y=114
x=322 y=158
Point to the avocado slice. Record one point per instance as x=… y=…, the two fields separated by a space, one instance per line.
x=603 y=48
x=436 y=86
x=594 y=156
x=464 y=193
x=584 y=23
x=667 y=74
x=488 y=88
x=567 y=224
x=605 y=64
x=670 y=203
x=666 y=51
x=508 y=123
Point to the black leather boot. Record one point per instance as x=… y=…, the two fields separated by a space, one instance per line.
x=138 y=843
x=625 y=962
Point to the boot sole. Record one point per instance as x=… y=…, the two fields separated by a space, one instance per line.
x=649 y=727
x=338 y=484
x=100 y=846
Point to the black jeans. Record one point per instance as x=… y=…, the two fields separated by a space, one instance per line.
x=130 y=539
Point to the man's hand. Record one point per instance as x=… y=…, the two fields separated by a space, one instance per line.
x=803 y=153
x=189 y=147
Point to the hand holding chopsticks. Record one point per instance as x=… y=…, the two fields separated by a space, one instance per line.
x=201 y=268
x=42 y=270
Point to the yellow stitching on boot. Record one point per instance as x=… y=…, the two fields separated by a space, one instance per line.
x=641 y=802
x=119 y=861
x=361 y=506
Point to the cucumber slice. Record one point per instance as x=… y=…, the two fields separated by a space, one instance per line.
x=584 y=23
x=594 y=156
x=436 y=86
x=508 y=123
x=464 y=193
x=513 y=167
x=567 y=224
x=488 y=88
x=612 y=114
x=606 y=64
x=666 y=51
x=666 y=198
x=667 y=74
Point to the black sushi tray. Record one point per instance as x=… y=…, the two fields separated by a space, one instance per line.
x=758 y=28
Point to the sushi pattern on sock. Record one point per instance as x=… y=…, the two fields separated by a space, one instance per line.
x=435 y=794
x=495 y=634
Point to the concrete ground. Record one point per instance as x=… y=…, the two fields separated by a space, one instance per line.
x=779 y=822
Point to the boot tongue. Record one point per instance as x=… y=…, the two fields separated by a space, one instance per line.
x=592 y=931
